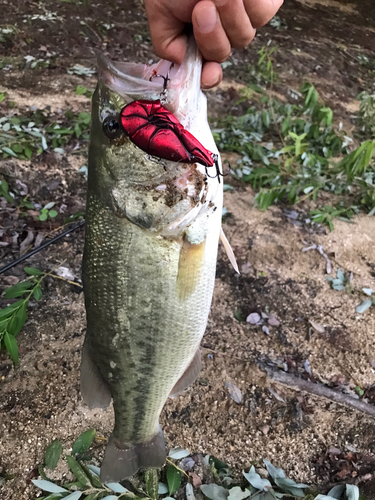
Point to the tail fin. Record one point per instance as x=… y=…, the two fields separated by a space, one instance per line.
x=122 y=460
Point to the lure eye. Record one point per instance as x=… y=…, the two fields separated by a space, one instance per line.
x=112 y=128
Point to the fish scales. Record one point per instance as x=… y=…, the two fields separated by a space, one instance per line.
x=149 y=265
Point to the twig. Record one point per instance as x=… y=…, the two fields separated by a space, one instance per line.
x=319 y=390
x=68 y=281
x=175 y=466
x=319 y=248
x=300 y=384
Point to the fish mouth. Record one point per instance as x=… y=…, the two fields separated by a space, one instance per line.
x=133 y=81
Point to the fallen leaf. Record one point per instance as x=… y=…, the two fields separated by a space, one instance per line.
x=38 y=240
x=27 y=242
x=364 y=306
x=276 y=395
x=187 y=464
x=10 y=280
x=265 y=329
x=65 y=272
x=317 y=327
x=197 y=481
x=234 y=392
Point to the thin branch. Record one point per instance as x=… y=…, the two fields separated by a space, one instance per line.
x=319 y=390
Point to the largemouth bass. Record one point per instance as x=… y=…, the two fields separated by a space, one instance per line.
x=149 y=265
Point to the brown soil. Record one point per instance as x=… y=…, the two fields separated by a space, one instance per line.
x=40 y=400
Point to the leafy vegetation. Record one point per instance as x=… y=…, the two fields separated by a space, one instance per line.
x=173 y=479
x=293 y=152
x=13 y=317
x=343 y=282
x=25 y=135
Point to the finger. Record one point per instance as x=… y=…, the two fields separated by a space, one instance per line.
x=261 y=11
x=236 y=22
x=212 y=74
x=166 y=33
x=209 y=32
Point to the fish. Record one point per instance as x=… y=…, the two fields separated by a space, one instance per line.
x=151 y=243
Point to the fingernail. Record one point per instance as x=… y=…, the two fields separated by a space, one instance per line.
x=211 y=83
x=207 y=19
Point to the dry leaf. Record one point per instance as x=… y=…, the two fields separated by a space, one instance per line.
x=197 y=481
x=234 y=392
x=317 y=327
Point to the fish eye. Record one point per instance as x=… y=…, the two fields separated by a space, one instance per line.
x=111 y=127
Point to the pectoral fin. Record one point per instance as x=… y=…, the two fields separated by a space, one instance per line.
x=189 y=267
x=229 y=251
x=190 y=375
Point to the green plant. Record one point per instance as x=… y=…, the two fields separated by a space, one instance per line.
x=148 y=486
x=24 y=135
x=292 y=152
x=82 y=90
x=327 y=213
x=341 y=282
x=13 y=317
x=47 y=212
x=262 y=72
x=366 y=115
x=4 y=191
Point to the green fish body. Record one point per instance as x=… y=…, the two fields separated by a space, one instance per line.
x=149 y=263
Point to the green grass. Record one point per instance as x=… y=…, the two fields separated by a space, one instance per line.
x=292 y=152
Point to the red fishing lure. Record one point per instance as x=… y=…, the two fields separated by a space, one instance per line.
x=155 y=130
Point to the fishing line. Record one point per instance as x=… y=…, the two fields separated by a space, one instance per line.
x=42 y=247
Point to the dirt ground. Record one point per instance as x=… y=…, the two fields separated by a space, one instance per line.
x=318 y=336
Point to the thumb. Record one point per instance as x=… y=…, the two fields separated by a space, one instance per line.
x=167 y=32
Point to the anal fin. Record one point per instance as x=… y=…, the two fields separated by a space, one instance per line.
x=95 y=392
x=189 y=377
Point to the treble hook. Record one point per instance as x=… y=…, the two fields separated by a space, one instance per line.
x=218 y=173
x=165 y=78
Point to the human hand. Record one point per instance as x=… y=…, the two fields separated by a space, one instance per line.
x=219 y=26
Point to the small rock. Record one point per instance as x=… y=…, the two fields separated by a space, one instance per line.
x=246 y=268
x=273 y=321
x=187 y=464
x=265 y=429
x=254 y=319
